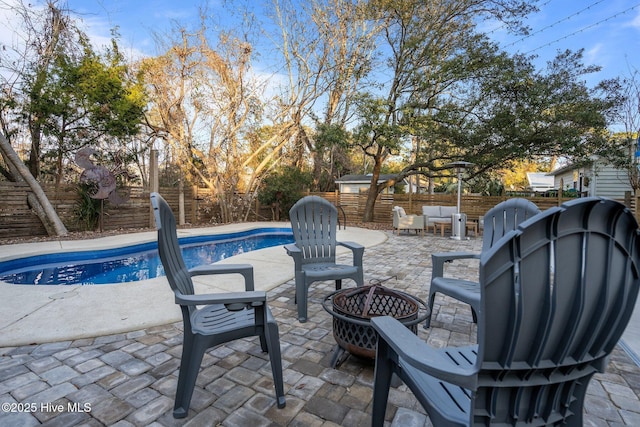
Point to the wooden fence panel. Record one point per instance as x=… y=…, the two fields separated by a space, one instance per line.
x=17 y=219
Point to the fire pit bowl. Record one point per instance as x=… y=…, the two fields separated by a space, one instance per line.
x=352 y=310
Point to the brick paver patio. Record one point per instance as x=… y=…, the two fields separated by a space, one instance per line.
x=129 y=379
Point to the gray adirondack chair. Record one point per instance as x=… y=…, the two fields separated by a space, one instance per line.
x=212 y=319
x=556 y=295
x=314 y=222
x=499 y=220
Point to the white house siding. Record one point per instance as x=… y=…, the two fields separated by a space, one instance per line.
x=349 y=188
x=604 y=181
x=564 y=180
x=360 y=188
x=610 y=182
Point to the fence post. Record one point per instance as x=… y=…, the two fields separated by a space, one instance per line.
x=154 y=183
x=181 y=202
x=560 y=191
x=636 y=198
x=194 y=204
x=410 y=201
x=256 y=209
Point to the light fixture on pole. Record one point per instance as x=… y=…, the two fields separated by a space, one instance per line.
x=459 y=220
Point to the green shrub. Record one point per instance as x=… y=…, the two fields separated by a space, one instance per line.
x=87 y=209
x=283 y=188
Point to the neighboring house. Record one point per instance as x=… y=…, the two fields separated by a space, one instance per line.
x=540 y=181
x=355 y=184
x=593 y=179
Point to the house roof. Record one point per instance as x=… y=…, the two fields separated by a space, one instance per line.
x=540 y=180
x=569 y=167
x=363 y=179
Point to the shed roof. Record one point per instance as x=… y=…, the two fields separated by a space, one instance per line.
x=570 y=167
x=540 y=180
x=362 y=179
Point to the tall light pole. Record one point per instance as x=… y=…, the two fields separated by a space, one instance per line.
x=459 y=220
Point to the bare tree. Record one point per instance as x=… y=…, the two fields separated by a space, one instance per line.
x=203 y=102
x=32 y=53
x=624 y=151
x=326 y=48
x=40 y=35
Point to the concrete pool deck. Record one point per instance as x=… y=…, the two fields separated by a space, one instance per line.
x=38 y=314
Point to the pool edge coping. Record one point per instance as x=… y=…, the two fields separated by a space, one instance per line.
x=10 y=252
x=67 y=313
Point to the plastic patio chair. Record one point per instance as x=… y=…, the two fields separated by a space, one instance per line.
x=313 y=222
x=499 y=220
x=212 y=319
x=556 y=295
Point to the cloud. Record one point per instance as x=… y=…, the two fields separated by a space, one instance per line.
x=594 y=55
x=634 y=23
x=96 y=27
x=99 y=30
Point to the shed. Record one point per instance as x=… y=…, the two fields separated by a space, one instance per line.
x=355 y=184
x=540 y=181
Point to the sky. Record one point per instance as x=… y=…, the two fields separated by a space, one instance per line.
x=607 y=30
x=137 y=20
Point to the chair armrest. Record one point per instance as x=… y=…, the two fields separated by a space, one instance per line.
x=296 y=253
x=246 y=270
x=292 y=249
x=357 y=249
x=438 y=260
x=401 y=341
x=254 y=298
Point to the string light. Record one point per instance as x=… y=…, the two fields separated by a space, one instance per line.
x=504 y=25
x=585 y=28
x=555 y=23
x=600 y=22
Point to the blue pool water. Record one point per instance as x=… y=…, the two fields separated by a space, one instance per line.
x=136 y=262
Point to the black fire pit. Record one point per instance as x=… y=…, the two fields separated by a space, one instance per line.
x=352 y=310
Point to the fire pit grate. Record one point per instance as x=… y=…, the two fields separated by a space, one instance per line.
x=352 y=310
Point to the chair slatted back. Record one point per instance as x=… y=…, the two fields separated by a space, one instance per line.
x=168 y=247
x=314 y=222
x=557 y=295
x=504 y=217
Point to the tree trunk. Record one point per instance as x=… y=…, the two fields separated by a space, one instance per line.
x=38 y=199
x=373 y=188
x=34 y=153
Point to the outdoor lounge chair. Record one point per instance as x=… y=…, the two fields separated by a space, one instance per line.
x=212 y=319
x=556 y=295
x=402 y=221
x=498 y=221
x=313 y=222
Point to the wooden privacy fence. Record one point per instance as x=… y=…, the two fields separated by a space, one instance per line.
x=17 y=219
x=474 y=206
